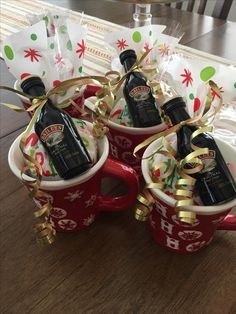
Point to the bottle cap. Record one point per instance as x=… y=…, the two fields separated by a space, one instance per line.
x=29 y=82
x=130 y=53
x=164 y=93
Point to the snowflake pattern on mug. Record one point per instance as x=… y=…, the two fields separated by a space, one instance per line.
x=91 y=200
x=67 y=224
x=58 y=213
x=89 y=220
x=72 y=196
x=195 y=246
x=190 y=235
x=122 y=141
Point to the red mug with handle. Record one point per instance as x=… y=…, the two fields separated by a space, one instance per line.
x=76 y=203
x=180 y=237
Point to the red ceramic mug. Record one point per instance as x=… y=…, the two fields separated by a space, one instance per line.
x=78 y=98
x=179 y=237
x=78 y=201
x=123 y=140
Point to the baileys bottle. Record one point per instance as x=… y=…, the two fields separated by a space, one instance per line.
x=214 y=183
x=58 y=134
x=138 y=96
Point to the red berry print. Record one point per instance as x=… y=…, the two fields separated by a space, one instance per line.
x=23 y=75
x=197 y=104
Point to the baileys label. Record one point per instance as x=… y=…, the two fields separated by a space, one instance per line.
x=52 y=134
x=208 y=160
x=140 y=93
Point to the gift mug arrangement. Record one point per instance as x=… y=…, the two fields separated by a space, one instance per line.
x=62 y=160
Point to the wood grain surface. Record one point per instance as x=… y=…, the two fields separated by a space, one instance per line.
x=113 y=266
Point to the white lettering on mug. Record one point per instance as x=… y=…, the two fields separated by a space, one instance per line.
x=161 y=209
x=172 y=243
x=166 y=226
x=114 y=151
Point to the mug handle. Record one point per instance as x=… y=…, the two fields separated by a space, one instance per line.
x=119 y=170
x=229 y=223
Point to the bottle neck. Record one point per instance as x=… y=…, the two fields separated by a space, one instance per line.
x=36 y=90
x=128 y=63
x=177 y=115
x=39 y=90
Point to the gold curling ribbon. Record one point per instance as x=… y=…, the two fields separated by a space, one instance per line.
x=99 y=128
x=45 y=234
x=186 y=217
x=144 y=206
x=183 y=196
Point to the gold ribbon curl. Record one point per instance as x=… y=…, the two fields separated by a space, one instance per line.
x=184 y=185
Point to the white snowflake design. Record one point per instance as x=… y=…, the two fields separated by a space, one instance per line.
x=195 y=246
x=89 y=220
x=58 y=213
x=72 y=196
x=91 y=200
x=122 y=141
x=190 y=235
x=67 y=224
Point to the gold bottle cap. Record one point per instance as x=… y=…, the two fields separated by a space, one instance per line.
x=163 y=92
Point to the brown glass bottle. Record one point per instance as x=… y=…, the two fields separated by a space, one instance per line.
x=58 y=134
x=138 y=96
x=215 y=183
